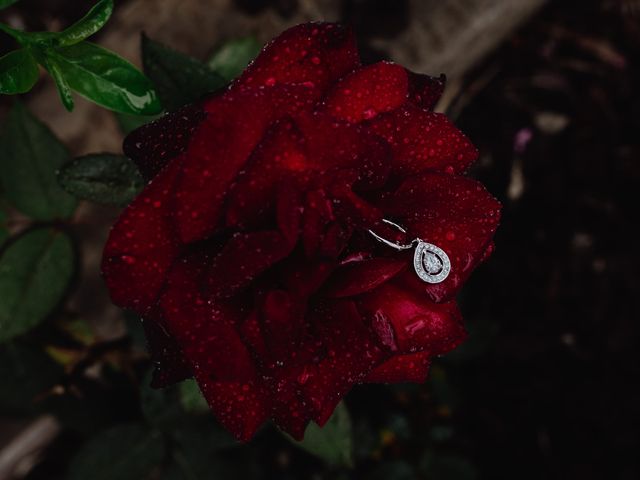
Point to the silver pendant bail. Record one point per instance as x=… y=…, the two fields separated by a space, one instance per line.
x=431 y=263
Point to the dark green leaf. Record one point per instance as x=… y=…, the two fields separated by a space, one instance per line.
x=124 y=452
x=397 y=470
x=18 y=72
x=447 y=466
x=93 y=21
x=6 y=3
x=160 y=407
x=24 y=38
x=35 y=271
x=191 y=397
x=4 y=231
x=179 y=79
x=64 y=91
x=31 y=154
x=102 y=178
x=334 y=442
x=233 y=57
x=27 y=374
x=106 y=79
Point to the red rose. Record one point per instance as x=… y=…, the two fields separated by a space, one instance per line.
x=248 y=253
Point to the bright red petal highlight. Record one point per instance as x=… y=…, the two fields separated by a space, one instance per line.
x=422 y=140
x=367 y=92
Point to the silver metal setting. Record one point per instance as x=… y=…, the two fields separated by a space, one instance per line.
x=431 y=263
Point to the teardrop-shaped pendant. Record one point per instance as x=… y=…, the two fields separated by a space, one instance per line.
x=431 y=263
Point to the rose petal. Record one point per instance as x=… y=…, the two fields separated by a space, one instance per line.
x=412 y=368
x=169 y=363
x=278 y=157
x=362 y=276
x=282 y=323
x=422 y=140
x=350 y=354
x=313 y=53
x=407 y=322
x=351 y=147
x=152 y=145
x=235 y=124
x=367 y=92
x=221 y=363
x=142 y=245
x=455 y=213
x=247 y=255
x=425 y=91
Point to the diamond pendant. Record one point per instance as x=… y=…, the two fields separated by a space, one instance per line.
x=431 y=263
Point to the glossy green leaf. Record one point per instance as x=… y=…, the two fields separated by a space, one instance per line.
x=64 y=91
x=6 y=3
x=18 y=72
x=106 y=79
x=102 y=178
x=232 y=58
x=35 y=271
x=124 y=452
x=93 y=21
x=333 y=443
x=179 y=79
x=21 y=37
x=31 y=155
x=28 y=374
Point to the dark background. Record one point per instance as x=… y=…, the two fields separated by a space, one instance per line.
x=546 y=386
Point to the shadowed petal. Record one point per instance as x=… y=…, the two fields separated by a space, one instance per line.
x=412 y=368
x=361 y=276
x=425 y=91
x=220 y=361
x=317 y=54
x=152 y=145
x=219 y=149
x=142 y=245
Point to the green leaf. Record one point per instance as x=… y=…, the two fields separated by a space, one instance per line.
x=103 y=178
x=18 y=72
x=179 y=79
x=191 y=397
x=124 y=452
x=447 y=466
x=106 y=79
x=93 y=21
x=28 y=373
x=31 y=154
x=233 y=57
x=35 y=271
x=4 y=231
x=333 y=443
x=396 y=470
x=6 y=3
x=64 y=91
